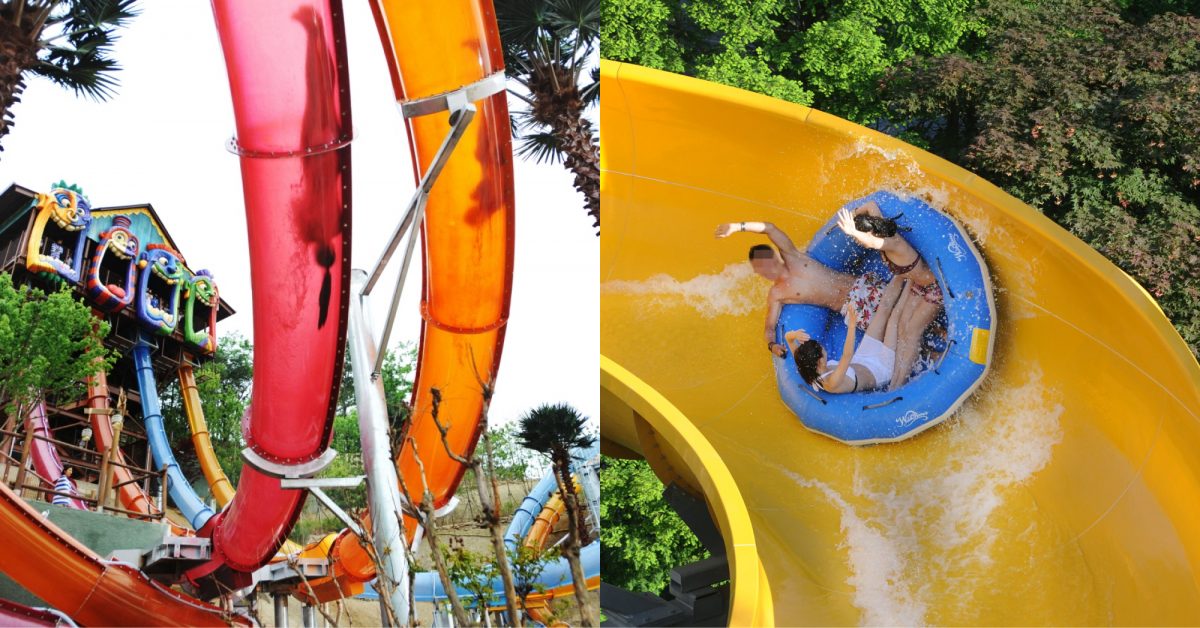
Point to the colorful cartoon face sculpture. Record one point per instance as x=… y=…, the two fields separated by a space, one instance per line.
x=159 y=284
x=59 y=232
x=200 y=305
x=111 y=273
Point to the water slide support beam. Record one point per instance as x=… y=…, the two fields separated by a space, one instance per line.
x=459 y=119
x=382 y=484
x=281 y=609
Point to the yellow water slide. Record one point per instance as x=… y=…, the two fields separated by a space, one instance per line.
x=1066 y=491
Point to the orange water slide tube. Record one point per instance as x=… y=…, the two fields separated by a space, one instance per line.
x=92 y=591
x=434 y=48
x=218 y=482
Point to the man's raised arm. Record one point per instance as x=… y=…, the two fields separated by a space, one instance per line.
x=777 y=236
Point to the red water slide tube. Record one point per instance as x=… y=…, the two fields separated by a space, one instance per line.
x=291 y=98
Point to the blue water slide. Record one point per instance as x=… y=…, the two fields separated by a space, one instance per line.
x=529 y=509
x=427 y=587
x=190 y=504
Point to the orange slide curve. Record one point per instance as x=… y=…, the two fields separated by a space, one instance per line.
x=435 y=48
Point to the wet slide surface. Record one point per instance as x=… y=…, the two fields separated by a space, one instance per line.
x=1065 y=491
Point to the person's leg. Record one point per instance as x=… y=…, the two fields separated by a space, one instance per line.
x=887 y=303
x=892 y=333
x=910 y=332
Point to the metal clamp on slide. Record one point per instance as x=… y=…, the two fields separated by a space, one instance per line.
x=328 y=147
x=456 y=99
x=289 y=471
x=462 y=111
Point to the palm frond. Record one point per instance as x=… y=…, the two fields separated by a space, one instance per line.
x=78 y=56
x=575 y=18
x=540 y=147
x=590 y=93
x=91 y=77
x=555 y=428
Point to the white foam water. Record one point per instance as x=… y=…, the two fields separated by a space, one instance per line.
x=735 y=291
x=909 y=538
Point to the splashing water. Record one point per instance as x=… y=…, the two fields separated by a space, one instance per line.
x=916 y=532
x=734 y=291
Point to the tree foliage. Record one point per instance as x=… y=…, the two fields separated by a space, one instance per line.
x=826 y=54
x=68 y=42
x=547 y=48
x=49 y=344
x=642 y=538
x=1087 y=116
x=471 y=571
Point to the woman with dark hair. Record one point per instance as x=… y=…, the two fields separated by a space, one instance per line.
x=870 y=366
x=867 y=226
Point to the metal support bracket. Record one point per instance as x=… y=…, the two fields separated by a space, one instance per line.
x=314 y=486
x=459 y=103
x=289 y=471
x=412 y=220
x=455 y=99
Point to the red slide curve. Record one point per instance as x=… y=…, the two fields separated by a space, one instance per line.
x=291 y=98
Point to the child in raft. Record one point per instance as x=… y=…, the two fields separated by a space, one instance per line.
x=868 y=367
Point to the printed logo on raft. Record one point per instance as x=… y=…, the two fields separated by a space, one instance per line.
x=910 y=417
x=955 y=248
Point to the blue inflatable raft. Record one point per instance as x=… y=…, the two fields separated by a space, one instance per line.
x=927 y=398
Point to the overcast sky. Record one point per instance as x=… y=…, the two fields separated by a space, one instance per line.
x=161 y=141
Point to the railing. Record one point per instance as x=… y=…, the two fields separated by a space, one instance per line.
x=106 y=492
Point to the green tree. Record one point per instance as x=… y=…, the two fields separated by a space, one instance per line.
x=472 y=572
x=49 y=344
x=554 y=430
x=509 y=458
x=826 y=54
x=547 y=44
x=68 y=42
x=642 y=538
x=528 y=563
x=1087 y=116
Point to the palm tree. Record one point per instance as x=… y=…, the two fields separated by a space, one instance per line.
x=555 y=430
x=547 y=44
x=66 y=41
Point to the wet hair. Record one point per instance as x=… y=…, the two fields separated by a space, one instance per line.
x=806 y=355
x=761 y=251
x=878 y=226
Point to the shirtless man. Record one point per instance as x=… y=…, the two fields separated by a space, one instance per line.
x=797 y=278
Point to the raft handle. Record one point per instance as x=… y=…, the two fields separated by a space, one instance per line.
x=942 y=276
x=937 y=370
x=881 y=404
x=814 y=395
